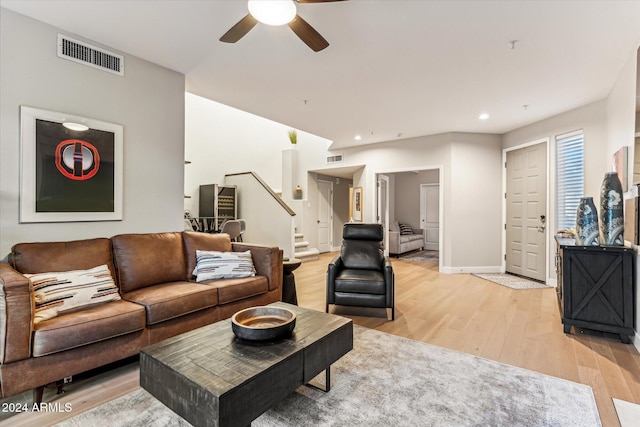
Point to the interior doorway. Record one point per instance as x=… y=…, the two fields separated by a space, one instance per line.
x=325 y=216
x=405 y=204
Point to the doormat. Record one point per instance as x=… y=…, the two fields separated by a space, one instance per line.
x=512 y=281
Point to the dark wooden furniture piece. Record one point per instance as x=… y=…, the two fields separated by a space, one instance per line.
x=211 y=378
x=289 y=293
x=595 y=287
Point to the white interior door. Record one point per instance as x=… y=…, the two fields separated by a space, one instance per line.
x=383 y=208
x=430 y=215
x=526 y=207
x=325 y=215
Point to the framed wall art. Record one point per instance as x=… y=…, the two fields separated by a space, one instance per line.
x=620 y=165
x=355 y=205
x=71 y=168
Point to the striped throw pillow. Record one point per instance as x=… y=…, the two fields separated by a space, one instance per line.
x=405 y=229
x=223 y=265
x=59 y=292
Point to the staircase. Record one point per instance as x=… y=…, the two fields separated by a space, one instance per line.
x=302 y=250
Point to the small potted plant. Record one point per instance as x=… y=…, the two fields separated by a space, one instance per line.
x=293 y=136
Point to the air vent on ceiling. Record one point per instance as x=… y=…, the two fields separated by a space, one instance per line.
x=334 y=159
x=83 y=53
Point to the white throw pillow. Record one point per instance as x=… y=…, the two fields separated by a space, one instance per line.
x=58 y=292
x=223 y=265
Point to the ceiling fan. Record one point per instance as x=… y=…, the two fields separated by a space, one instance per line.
x=278 y=12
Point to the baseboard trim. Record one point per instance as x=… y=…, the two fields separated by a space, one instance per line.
x=635 y=340
x=479 y=269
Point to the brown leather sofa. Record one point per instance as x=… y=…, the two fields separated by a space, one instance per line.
x=160 y=299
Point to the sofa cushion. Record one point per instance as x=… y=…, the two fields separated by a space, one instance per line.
x=230 y=290
x=148 y=259
x=410 y=238
x=205 y=242
x=362 y=254
x=223 y=265
x=61 y=256
x=58 y=292
x=170 y=300
x=84 y=327
x=360 y=281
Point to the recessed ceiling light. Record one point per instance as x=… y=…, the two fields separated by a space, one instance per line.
x=357 y=137
x=483 y=116
x=75 y=126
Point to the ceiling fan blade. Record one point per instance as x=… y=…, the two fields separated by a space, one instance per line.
x=239 y=30
x=308 y=34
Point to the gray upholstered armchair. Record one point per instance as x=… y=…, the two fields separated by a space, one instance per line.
x=361 y=275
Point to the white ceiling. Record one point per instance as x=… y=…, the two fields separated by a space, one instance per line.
x=394 y=69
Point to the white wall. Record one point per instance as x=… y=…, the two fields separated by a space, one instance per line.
x=220 y=140
x=621 y=109
x=148 y=102
x=621 y=124
x=471 y=181
x=476 y=202
x=591 y=119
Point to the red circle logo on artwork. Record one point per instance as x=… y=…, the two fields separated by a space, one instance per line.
x=77 y=159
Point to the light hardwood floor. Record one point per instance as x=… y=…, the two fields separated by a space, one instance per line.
x=457 y=311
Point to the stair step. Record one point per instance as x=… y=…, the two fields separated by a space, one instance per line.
x=308 y=255
x=299 y=235
x=301 y=244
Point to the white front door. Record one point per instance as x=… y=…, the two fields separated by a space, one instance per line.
x=430 y=215
x=526 y=201
x=325 y=215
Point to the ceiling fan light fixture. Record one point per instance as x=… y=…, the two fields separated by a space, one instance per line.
x=273 y=12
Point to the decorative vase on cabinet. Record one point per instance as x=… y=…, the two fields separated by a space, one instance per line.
x=587 y=223
x=611 y=211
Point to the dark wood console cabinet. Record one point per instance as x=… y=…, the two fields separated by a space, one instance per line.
x=595 y=287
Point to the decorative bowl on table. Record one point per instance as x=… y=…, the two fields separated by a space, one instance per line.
x=263 y=323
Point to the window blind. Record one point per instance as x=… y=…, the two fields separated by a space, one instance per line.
x=569 y=178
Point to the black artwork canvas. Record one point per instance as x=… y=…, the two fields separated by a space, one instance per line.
x=75 y=170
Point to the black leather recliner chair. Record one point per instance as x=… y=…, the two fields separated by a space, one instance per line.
x=361 y=275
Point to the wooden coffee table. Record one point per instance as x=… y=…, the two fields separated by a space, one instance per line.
x=211 y=378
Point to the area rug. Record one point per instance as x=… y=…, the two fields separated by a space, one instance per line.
x=388 y=380
x=424 y=255
x=628 y=413
x=512 y=281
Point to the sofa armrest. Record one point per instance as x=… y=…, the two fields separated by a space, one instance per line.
x=389 y=279
x=267 y=261
x=333 y=269
x=394 y=242
x=16 y=307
